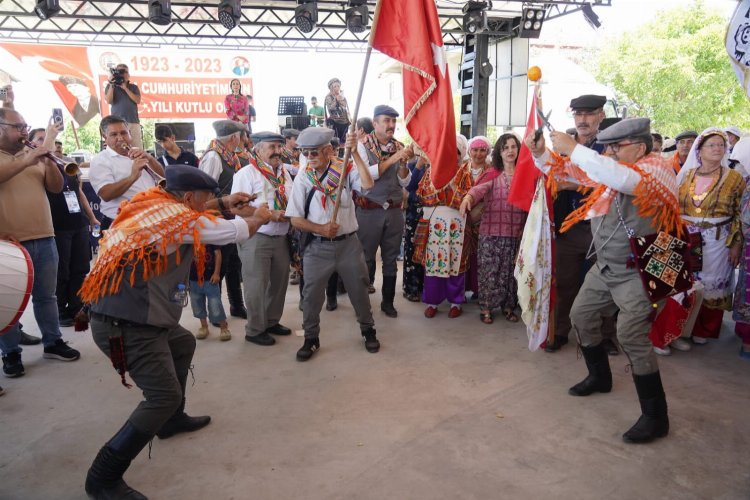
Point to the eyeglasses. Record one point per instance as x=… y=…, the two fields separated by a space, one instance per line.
x=718 y=145
x=310 y=153
x=615 y=147
x=21 y=127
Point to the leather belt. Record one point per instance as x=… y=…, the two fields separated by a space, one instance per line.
x=337 y=238
x=116 y=321
x=366 y=204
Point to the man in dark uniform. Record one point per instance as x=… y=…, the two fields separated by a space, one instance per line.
x=220 y=161
x=137 y=325
x=379 y=214
x=332 y=247
x=573 y=252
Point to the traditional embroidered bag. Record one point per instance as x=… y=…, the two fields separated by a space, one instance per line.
x=662 y=260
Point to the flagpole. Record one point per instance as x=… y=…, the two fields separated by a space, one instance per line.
x=553 y=295
x=75 y=134
x=353 y=124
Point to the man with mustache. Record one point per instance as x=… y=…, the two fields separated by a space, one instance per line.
x=265 y=258
x=572 y=258
x=330 y=246
x=119 y=172
x=379 y=214
x=221 y=162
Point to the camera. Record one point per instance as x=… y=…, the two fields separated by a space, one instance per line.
x=117 y=76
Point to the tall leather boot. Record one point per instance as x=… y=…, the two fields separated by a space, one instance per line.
x=654 y=421
x=104 y=479
x=599 y=378
x=389 y=292
x=181 y=422
x=331 y=292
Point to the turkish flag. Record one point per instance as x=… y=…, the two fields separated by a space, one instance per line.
x=524 y=179
x=409 y=31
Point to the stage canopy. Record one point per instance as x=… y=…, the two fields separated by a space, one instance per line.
x=264 y=24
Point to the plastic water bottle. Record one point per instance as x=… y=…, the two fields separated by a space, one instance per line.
x=96 y=230
x=180 y=295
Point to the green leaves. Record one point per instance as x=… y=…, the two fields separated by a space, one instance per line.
x=677 y=72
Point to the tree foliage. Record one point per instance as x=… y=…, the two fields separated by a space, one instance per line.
x=90 y=139
x=676 y=71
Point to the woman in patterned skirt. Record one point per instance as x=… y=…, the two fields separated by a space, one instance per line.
x=439 y=239
x=499 y=233
x=709 y=196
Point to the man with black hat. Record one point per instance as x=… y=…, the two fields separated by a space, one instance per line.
x=265 y=258
x=221 y=162
x=379 y=214
x=137 y=290
x=331 y=246
x=572 y=258
x=290 y=151
x=684 y=141
x=641 y=199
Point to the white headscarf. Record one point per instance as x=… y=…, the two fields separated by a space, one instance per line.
x=741 y=153
x=693 y=161
x=462 y=143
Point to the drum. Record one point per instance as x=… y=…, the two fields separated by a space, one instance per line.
x=16 y=281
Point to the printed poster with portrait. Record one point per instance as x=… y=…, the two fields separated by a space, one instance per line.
x=174 y=84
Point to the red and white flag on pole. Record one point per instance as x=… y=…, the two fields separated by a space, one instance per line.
x=524 y=179
x=409 y=31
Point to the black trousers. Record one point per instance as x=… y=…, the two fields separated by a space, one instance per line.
x=231 y=272
x=75 y=254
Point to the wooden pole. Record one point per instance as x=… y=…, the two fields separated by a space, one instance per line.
x=353 y=124
x=75 y=134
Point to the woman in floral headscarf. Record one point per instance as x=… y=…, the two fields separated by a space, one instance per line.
x=709 y=196
x=481 y=171
x=439 y=239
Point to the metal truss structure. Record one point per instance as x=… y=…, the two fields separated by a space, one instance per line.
x=265 y=24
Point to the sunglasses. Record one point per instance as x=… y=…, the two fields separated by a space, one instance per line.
x=310 y=153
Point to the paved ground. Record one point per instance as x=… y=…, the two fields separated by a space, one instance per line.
x=449 y=409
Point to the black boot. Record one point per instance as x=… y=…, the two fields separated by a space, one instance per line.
x=389 y=293
x=104 y=479
x=331 y=291
x=599 y=378
x=181 y=422
x=653 y=422
x=371 y=342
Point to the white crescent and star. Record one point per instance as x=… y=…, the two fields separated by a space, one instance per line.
x=439 y=59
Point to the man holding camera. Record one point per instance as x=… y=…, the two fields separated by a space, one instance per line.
x=124 y=98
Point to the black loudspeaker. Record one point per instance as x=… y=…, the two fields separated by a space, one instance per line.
x=184 y=133
x=298 y=122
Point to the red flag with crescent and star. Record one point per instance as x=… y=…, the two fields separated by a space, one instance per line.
x=409 y=31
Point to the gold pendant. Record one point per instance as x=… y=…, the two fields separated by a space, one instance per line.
x=698 y=210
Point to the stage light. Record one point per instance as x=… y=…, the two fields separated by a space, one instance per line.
x=160 y=12
x=47 y=8
x=230 y=12
x=357 y=16
x=531 y=22
x=475 y=16
x=590 y=16
x=306 y=15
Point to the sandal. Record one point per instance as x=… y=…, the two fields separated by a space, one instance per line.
x=510 y=316
x=486 y=318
